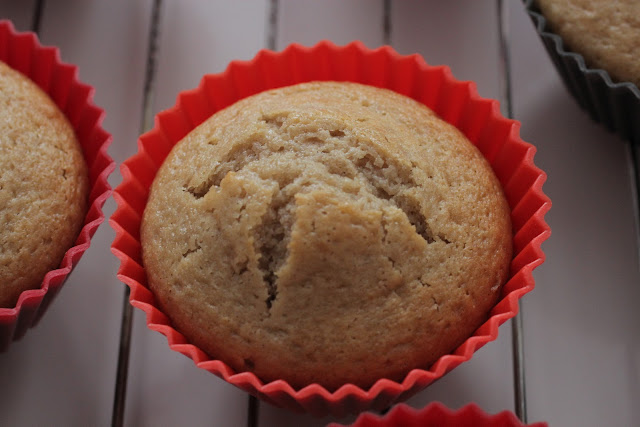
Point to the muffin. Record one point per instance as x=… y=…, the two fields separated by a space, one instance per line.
x=42 y=66
x=457 y=102
x=43 y=185
x=605 y=32
x=326 y=233
x=593 y=45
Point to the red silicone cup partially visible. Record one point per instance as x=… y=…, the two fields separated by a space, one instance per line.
x=436 y=414
x=457 y=102
x=23 y=52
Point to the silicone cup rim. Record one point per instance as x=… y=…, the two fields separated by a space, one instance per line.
x=438 y=413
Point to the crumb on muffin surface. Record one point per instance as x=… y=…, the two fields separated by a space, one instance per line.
x=43 y=185
x=326 y=232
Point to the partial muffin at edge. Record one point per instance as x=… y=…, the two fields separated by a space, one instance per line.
x=43 y=185
x=326 y=232
x=605 y=32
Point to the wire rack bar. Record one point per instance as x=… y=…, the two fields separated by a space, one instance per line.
x=36 y=18
x=633 y=161
x=119 y=398
x=253 y=411
x=272 y=24
x=517 y=325
x=386 y=22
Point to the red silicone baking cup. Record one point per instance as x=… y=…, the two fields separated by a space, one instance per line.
x=23 y=52
x=437 y=415
x=455 y=101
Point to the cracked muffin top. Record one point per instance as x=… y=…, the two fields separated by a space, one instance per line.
x=326 y=233
x=43 y=185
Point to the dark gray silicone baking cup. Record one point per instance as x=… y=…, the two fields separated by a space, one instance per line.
x=616 y=105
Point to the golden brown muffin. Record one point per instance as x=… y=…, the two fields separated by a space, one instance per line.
x=43 y=185
x=605 y=32
x=326 y=232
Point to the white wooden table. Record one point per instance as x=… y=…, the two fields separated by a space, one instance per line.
x=581 y=323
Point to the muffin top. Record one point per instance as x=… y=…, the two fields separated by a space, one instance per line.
x=605 y=32
x=43 y=185
x=326 y=232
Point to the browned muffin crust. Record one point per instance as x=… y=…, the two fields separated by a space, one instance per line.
x=43 y=185
x=605 y=32
x=326 y=232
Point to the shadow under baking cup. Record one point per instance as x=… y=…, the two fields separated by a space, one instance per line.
x=24 y=53
x=436 y=414
x=456 y=102
x=614 y=104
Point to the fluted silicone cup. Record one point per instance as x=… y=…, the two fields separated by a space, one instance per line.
x=437 y=415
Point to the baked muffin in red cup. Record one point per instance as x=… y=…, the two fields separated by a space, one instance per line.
x=53 y=181
x=437 y=415
x=457 y=103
